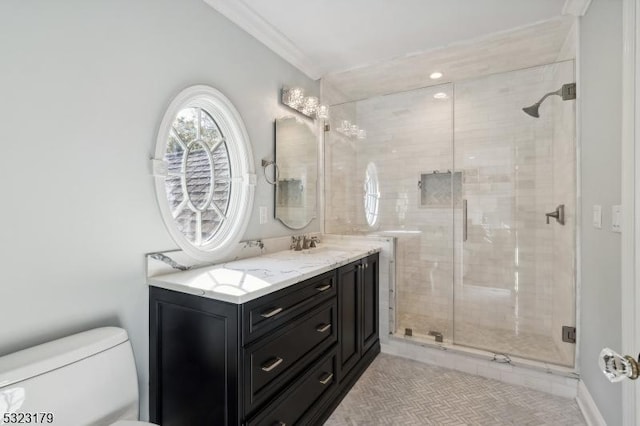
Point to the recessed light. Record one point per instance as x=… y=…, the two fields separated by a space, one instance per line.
x=440 y=95
x=435 y=75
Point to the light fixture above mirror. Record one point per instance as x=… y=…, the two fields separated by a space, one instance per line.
x=308 y=106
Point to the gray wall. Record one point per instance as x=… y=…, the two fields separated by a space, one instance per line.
x=600 y=68
x=83 y=87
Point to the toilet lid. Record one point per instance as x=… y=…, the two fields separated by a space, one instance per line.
x=132 y=423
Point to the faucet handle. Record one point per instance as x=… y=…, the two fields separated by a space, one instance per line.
x=295 y=241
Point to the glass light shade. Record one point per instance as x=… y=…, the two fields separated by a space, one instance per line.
x=353 y=130
x=293 y=97
x=322 y=112
x=310 y=105
x=362 y=134
x=345 y=125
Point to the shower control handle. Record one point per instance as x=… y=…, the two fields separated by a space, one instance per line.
x=558 y=214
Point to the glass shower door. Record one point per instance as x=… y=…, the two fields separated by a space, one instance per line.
x=403 y=169
x=514 y=285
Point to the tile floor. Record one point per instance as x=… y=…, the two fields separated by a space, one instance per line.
x=397 y=391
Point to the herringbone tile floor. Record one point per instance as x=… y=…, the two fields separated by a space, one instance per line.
x=397 y=391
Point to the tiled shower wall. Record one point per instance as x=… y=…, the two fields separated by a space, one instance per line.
x=510 y=285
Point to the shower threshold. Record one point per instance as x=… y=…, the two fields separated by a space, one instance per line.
x=464 y=355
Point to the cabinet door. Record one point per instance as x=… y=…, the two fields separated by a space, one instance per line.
x=193 y=360
x=370 y=302
x=349 y=318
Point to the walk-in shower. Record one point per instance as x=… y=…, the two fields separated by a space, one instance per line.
x=465 y=182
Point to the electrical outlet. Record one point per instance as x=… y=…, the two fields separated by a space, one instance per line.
x=263 y=215
x=616 y=218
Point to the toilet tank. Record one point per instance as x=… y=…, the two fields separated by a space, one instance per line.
x=85 y=379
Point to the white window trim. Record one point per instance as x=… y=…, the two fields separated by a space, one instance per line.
x=371 y=173
x=241 y=163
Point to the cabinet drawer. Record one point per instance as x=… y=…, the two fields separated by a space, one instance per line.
x=272 y=362
x=266 y=313
x=290 y=407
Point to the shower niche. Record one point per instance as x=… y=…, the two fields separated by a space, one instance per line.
x=440 y=189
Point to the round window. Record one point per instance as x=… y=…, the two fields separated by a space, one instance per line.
x=205 y=189
x=371 y=194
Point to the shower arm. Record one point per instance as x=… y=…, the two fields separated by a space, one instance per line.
x=557 y=92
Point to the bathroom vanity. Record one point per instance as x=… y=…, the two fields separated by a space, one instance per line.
x=276 y=339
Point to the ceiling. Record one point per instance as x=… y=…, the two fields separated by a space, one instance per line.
x=328 y=36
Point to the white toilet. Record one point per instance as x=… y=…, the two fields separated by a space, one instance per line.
x=85 y=379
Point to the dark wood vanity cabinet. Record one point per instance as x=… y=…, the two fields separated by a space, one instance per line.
x=358 y=299
x=285 y=358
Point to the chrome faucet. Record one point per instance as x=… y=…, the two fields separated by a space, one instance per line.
x=296 y=243
x=303 y=242
x=310 y=242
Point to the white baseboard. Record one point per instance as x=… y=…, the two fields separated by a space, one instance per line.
x=588 y=406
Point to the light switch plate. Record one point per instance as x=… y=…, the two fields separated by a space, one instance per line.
x=616 y=218
x=597 y=216
x=263 y=215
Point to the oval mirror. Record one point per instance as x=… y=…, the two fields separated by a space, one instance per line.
x=297 y=160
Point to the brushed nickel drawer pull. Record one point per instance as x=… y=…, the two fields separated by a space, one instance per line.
x=272 y=364
x=327 y=379
x=271 y=313
x=322 y=328
x=324 y=287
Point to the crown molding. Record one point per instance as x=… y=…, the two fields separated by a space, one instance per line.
x=246 y=18
x=576 y=7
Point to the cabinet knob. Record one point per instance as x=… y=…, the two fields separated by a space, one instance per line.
x=272 y=364
x=271 y=313
x=323 y=287
x=327 y=378
x=323 y=327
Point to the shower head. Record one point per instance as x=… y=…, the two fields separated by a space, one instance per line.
x=533 y=110
x=567 y=91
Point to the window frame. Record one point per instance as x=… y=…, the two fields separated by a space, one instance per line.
x=371 y=195
x=241 y=164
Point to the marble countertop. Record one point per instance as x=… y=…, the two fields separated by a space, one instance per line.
x=243 y=280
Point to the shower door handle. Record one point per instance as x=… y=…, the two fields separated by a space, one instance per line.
x=464 y=220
